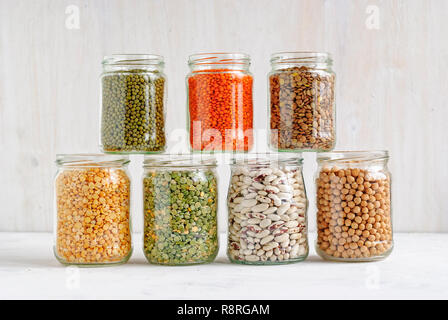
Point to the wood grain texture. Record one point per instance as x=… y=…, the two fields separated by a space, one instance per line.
x=391 y=86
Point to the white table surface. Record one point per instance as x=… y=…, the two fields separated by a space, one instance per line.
x=418 y=268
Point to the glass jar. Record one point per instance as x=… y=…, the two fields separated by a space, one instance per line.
x=133 y=91
x=92 y=201
x=219 y=91
x=180 y=197
x=301 y=102
x=353 y=206
x=267 y=206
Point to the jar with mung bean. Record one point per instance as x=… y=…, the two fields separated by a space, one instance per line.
x=92 y=204
x=353 y=198
x=180 y=197
x=301 y=102
x=133 y=95
x=267 y=207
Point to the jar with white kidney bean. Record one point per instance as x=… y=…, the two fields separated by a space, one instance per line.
x=267 y=210
x=353 y=206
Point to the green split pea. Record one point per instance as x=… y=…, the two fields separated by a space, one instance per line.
x=133 y=118
x=180 y=210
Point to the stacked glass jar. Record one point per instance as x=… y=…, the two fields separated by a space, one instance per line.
x=353 y=206
x=220 y=104
x=93 y=191
x=266 y=201
x=267 y=210
x=133 y=94
x=180 y=200
x=301 y=102
x=92 y=194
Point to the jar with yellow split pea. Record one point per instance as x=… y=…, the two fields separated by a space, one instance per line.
x=353 y=199
x=92 y=206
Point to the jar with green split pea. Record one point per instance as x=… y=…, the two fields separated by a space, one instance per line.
x=180 y=210
x=133 y=94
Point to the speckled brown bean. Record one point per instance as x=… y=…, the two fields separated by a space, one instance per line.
x=302 y=109
x=353 y=214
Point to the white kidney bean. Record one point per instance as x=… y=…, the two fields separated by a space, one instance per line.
x=273 y=217
x=263 y=234
x=266 y=239
x=267 y=215
x=250 y=195
x=265 y=223
x=260 y=207
x=248 y=203
x=283 y=208
x=292 y=224
x=272 y=189
x=282 y=237
x=258 y=185
x=270 y=210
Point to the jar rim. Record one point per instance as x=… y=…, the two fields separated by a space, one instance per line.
x=91 y=160
x=352 y=156
x=301 y=57
x=219 y=58
x=267 y=158
x=179 y=161
x=133 y=59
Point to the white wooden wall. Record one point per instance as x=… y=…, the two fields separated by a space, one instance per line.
x=391 y=60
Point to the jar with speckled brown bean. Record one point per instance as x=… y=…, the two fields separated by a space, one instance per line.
x=301 y=102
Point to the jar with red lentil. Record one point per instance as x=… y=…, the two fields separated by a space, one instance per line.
x=92 y=204
x=353 y=200
x=301 y=102
x=219 y=99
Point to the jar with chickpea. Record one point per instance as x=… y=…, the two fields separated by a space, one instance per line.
x=353 y=199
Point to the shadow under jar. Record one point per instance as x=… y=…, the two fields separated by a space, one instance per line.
x=220 y=106
x=353 y=206
x=133 y=91
x=302 y=102
x=92 y=201
x=267 y=207
x=180 y=210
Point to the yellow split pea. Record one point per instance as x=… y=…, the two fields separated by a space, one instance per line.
x=93 y=222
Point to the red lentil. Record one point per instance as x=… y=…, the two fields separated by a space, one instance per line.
x=221 y=100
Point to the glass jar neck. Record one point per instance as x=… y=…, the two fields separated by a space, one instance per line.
x=267 y=160
x=353 y=157
x=311 y=60
x=129 y=62
x=219 y=62
x=181 y=162
x=91 y=160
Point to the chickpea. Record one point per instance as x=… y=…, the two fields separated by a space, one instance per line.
x=358 y=203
